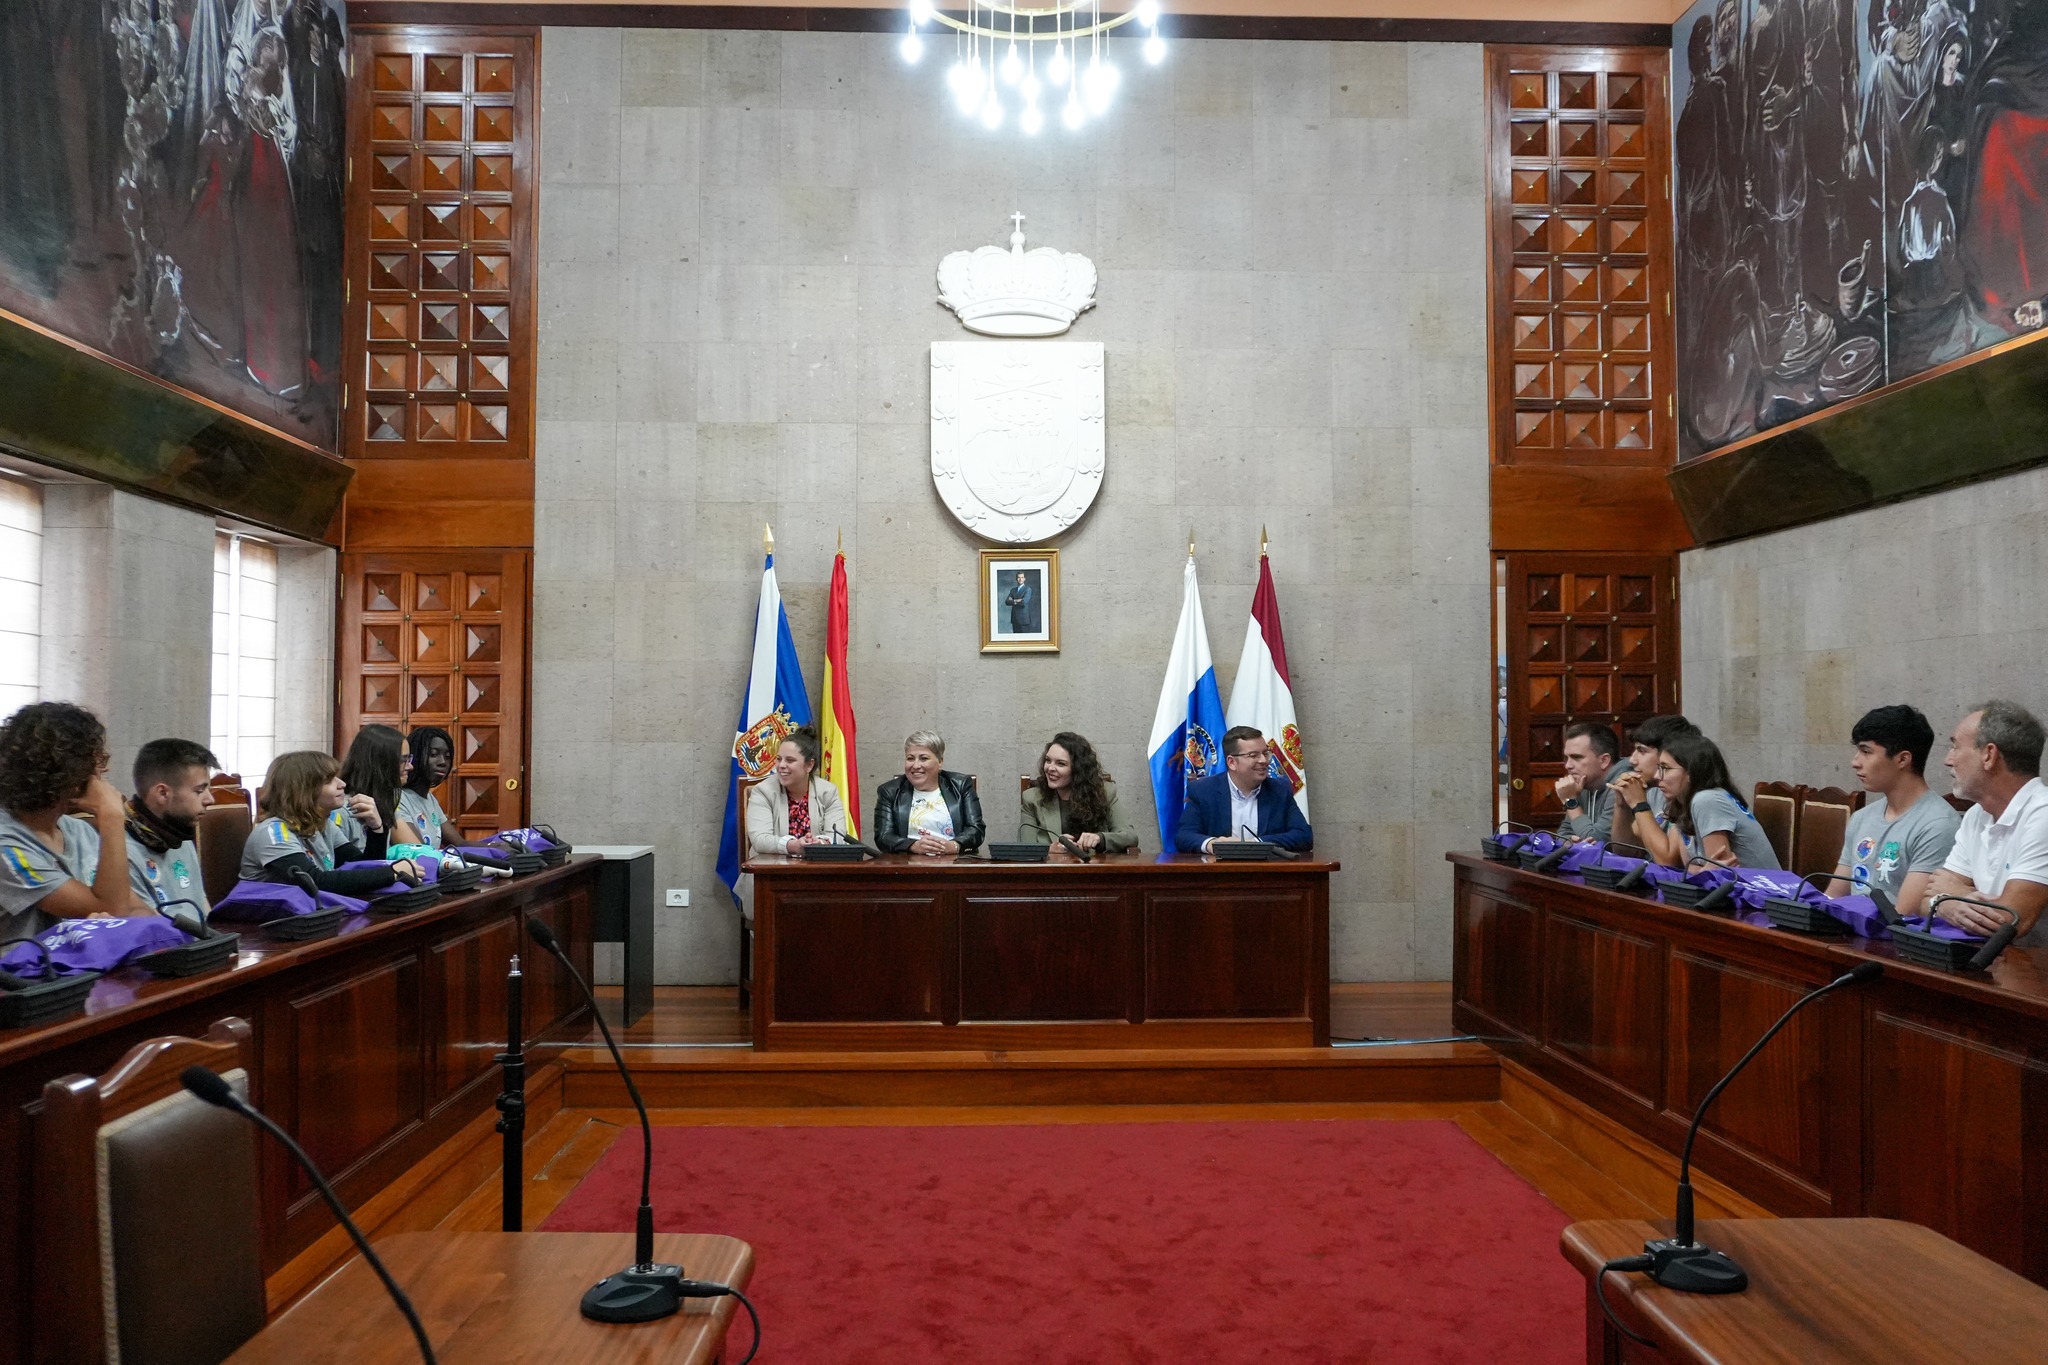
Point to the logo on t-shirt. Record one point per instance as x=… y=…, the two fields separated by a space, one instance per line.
x=24 y=871
x=181 y=874
x=1888 y=858
x=1864 y=848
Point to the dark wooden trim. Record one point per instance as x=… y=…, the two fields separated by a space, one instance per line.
x=64 y=405
x=1974 y=418
x=1278 y=28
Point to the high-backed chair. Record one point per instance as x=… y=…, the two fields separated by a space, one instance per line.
x=223 y=832
x=1823 y=823
x=1776 y=807
x=148 y=1242
x=228 y=788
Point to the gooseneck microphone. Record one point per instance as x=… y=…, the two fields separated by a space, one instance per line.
x=1999 y=940
x=644 y=1290
x=209 y=1086
x=1680 y=1262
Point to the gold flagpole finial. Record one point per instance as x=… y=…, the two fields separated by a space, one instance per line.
x=768 y=537
x=842 y=540
x=1191 y=542
x=1262 y=542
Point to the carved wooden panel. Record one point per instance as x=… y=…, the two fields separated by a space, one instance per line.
x=1041 y=957
x=439 y=638
x=903 y=977
x=439 y=355
x=1604 y=1004
x=1580 y=268
x=1498 y=941
x=358 y=1036
x=467 y=974
x=1226 y=955
x=1590 y=637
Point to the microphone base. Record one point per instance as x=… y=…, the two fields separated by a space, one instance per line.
x=1694 y=1269
x=639 y=1293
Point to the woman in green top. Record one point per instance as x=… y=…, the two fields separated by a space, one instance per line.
x=1072 y=797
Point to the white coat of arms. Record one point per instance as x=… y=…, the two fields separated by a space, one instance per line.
x=1017 y=434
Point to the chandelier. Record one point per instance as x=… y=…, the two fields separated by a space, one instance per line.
x=1016 y=57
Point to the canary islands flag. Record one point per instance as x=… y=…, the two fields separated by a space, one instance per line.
x=775 y=704
x=1187 y=730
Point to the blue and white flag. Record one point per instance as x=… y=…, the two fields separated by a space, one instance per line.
x=1187 y=731
x=775 y=704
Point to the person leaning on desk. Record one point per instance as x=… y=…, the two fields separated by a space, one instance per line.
x=927 y=810
x=795 y=807
x=1243 y=802
x=1072 y=797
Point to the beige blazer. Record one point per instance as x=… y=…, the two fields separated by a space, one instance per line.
x=768 y=814
x=1039 y=820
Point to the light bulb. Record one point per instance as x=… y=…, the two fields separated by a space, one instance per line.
x=1056 y=69
x=1073 y=114
x=912 y=47
x=1029 y=87
x=1031 y=120
x=920 y=11
x=968 y=96
x=1099 y=85
x=1013 y=66
x=992 y=113
x=1148 y=12
x=1155 y=49
x=957 y=77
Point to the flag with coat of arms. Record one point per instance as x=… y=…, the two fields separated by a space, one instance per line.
x=774 y=705
x=1262 y=693
x=1187 y=729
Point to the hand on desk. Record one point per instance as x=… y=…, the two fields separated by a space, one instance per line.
x=1088 y=841
x=933 y=846
x=794 y=844
x=1974 y=918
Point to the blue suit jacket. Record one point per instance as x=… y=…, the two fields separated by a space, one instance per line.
x=1207 y=815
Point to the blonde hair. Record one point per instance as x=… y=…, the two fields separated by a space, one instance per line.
x=291 y=789
x=928 y=739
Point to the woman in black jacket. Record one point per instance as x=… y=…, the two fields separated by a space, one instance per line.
x=927 y=810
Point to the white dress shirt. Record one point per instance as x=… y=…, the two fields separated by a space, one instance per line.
x=2015 y=845
x=1244 y=813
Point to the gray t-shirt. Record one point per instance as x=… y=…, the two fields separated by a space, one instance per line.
x=1881 y=851
x=172 y=875
x=273 y=839
x=423 y=809
x=1716 y=812
x=1594 y=818
x=29 y=871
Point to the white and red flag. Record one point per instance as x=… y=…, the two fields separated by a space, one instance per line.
x=1262 y=695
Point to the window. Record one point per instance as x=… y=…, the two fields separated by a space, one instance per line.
x=244 y=654
x=21 y=594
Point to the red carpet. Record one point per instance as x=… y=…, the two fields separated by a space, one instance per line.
x=1190 y=1243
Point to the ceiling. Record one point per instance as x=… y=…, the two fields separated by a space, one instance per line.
x=1568 y=11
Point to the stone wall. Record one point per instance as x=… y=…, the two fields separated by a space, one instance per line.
x=739 y=233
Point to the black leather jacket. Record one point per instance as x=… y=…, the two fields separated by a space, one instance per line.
x=892 y=813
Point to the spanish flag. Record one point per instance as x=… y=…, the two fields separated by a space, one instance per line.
x=836 y=727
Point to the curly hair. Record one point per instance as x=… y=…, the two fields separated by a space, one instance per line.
x=1087 y=802
x=50 y=751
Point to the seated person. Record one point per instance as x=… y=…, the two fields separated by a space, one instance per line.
x=1903 y=833
x=1705 y=810
x=1244 y=803
x=433 y=758
x=1072 y=797
x=301 y=793
x=1648 y=741
x=173 y=785
x=795 y=806
x=373 y=774
x=1590 y=754
x=927 y=810
x=2001 y=849
x=54 y=865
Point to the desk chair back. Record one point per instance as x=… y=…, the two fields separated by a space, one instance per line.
x=1776 y=807
x=223 y=832
x=1823 y=824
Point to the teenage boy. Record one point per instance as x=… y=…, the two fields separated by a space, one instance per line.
x=1635 y=783
x=1903 y=834
x=172 y=787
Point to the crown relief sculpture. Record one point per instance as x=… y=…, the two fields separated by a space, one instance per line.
x=1017 y=293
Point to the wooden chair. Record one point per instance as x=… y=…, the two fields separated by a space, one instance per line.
x=169 y=1269
x=1776 y=807
x=223 y=833
x=228 y=789
x=1957 y=804
x=1823 y=823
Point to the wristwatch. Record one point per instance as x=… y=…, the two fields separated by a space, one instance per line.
x=1571 y=803
x=1640 y=808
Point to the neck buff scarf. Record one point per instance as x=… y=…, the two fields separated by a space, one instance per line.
x=157 y=833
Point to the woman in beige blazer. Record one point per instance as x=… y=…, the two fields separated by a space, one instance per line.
x=1072 y=797
x=794 y=807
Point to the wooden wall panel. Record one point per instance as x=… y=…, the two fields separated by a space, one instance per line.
x=1604 y=1004
x=360 y=1035
x=1496 y=941
x=1227 y=955
x=466 y=978
x=1040 y=957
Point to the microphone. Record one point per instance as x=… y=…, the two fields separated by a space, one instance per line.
x=1680 y=1262
x=194 y=924
x=209 y=1086
x=1632 y=878
x=1068 y=842
x=644 y=1290
x=1549 y=861
x=1998 y=942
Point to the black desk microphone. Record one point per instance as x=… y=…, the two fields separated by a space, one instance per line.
x=1999 y=940
x=208 y=1085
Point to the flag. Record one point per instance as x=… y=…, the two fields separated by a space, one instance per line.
x=1262 y=695
x=1187 y=730
x=836 y=727
x=774 y=705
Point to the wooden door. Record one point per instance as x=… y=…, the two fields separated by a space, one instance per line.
x=439 y=638
x=1589 y=637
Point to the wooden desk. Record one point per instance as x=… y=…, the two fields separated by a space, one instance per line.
x=504 y=1298
x=1822 y=1291
x=1922 y=1096
x=372 y=1048
x=1127 y=951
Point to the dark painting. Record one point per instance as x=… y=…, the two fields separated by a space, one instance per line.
x=171 y=176
x=1862 y=193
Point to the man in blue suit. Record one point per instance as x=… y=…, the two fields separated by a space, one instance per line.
x=1245 y=796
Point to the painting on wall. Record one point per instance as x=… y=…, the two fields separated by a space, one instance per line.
x=171 y=178
x=1861 y=194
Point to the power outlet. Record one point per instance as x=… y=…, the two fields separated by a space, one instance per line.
x=679 y=896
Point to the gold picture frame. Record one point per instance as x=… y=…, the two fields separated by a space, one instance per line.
x=1020 y=618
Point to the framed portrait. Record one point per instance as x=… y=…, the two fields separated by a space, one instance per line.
x=1020 y=601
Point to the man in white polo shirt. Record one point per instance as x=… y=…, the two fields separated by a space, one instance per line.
x=2001 y=851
